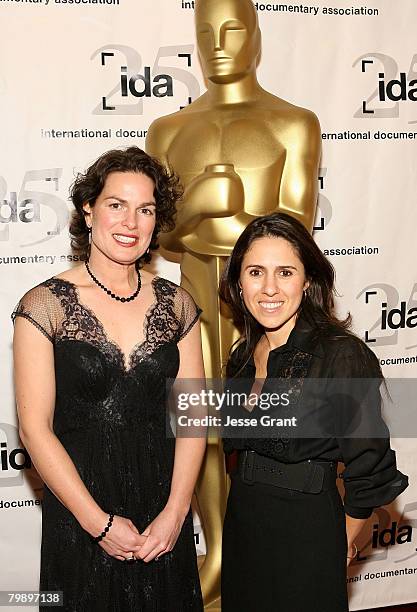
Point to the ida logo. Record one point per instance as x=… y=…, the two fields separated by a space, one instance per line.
x=392 y=86
x=28 y=211
x=398 y=318
x=136 y=82
x=393 y=313
x=396 y=534
x=388 y=537
x=13 y=458
x=397 y=89
x=28 y=205
x=140 y=85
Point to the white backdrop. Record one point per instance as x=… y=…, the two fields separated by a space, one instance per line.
x=64 y=100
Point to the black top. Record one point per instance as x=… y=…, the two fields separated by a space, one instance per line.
x=371 y=477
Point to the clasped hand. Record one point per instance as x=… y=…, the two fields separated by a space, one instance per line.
x=124 y=540
x=161 y=535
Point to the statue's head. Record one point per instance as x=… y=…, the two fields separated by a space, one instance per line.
x=229 y=39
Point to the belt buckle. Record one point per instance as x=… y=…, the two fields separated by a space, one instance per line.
x=248 y=465
x=315 y=478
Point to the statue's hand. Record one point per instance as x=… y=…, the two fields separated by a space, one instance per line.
x=218 y=192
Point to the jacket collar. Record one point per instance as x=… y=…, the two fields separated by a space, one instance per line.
x=304 y=336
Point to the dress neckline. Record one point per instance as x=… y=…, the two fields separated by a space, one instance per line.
x=126 y=358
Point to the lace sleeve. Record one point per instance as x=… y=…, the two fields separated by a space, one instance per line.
x=187 y=312
x=38 y=306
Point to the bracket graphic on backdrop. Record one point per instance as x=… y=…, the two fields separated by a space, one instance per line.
x=395 y=314
x=134 y=80
x=389 y=88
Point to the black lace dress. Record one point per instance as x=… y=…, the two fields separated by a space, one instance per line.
x=111 y=419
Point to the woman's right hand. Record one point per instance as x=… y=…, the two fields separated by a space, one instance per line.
x=123 y=540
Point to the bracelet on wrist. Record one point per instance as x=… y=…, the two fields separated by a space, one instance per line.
x=355 y=553
x=106 y=529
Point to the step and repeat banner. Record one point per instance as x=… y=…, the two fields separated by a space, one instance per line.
x=78 y=77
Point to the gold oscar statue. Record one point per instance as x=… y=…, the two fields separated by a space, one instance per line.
x=240 y=152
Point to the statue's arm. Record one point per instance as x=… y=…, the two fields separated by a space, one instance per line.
x=216 y=192
x=299 y=184
x=158 y=140
x=198 y=198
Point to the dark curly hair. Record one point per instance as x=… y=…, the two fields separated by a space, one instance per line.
x=87 y=187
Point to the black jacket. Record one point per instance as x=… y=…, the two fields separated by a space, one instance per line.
x=334 y=383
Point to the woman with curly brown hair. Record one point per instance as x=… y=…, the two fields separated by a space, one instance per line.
x=94 y=347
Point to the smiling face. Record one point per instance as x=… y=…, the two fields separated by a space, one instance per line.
x=228 y=38
x=272 y=280
x=123 y=217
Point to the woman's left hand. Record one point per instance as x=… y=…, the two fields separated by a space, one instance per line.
x=162 y=534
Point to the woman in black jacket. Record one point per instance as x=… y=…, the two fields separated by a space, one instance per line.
x=287 y=535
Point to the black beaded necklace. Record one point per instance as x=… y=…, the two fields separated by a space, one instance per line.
x=110 y=293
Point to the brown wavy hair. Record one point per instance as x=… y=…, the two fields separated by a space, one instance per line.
x=87 y=187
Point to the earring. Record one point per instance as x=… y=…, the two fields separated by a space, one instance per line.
x=89 y=234
x=148 y=250
x=241 y=293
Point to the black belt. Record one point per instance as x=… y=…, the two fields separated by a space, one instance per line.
x=305 y=477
